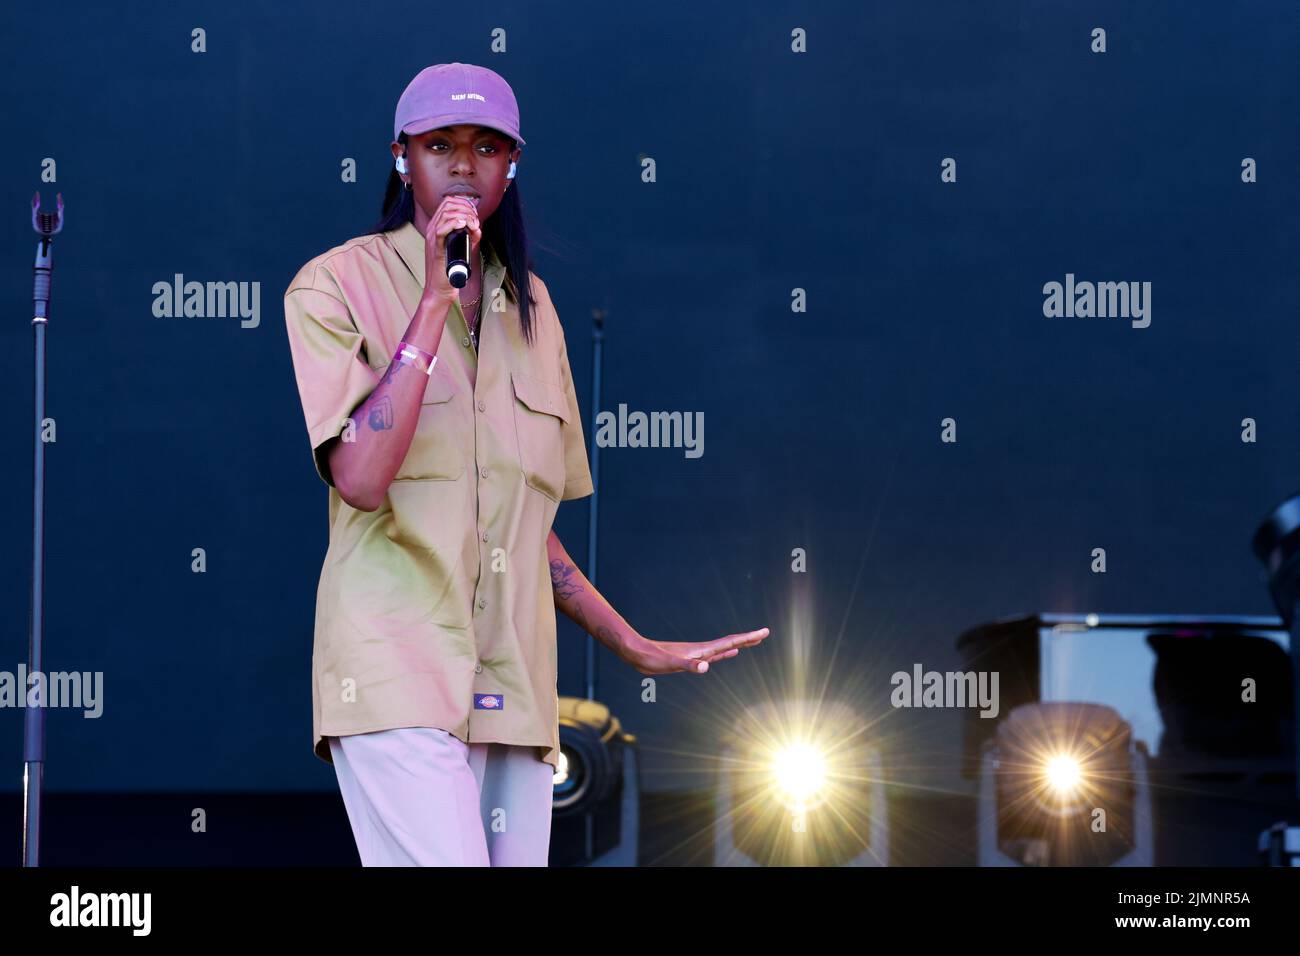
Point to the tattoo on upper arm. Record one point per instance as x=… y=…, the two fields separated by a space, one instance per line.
x=380 y=416
x=563 y=579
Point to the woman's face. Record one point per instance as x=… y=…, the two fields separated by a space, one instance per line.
x=456 y=156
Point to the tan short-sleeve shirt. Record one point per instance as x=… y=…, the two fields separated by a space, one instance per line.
x=436 y=610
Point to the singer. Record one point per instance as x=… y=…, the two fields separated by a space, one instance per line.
x=445 y=422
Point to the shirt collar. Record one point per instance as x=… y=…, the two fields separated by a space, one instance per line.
x=409 y=242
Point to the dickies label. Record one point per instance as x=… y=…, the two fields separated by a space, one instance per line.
x=489 y=701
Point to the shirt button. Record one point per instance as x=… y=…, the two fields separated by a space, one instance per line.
x=484 y=535
x=482 y=602
x=481 y=404
x=478 y=668
x=465 y=342
x=483 y=471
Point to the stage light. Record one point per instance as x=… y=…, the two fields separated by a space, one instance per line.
x=799 y=784
x=1169 y=677
x=560 y=780
x=1063 y=784
x=1063 y=773
x=800 y=772
x=595 y=789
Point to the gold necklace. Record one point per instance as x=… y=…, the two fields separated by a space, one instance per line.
x=478 y=312
x=478 y=317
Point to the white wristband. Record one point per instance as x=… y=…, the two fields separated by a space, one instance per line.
x=411 y=355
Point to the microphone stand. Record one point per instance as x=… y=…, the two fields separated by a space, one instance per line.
x=1277 y=546
x=597 y=341
x=46 y=225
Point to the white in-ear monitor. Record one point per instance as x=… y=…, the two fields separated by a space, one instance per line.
x=511 y=174
x=401 y=164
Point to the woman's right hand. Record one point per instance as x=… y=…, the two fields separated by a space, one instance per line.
x=454 y=212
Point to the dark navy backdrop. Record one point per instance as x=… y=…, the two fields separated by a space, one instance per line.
x=775 y=170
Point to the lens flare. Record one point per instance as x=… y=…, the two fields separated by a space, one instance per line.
x=800 y=772
x=1063 y=773
x=561 y=775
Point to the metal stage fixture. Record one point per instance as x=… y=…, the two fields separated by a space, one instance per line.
x=1277 y=545
x=1184 y=713
x=595 y=810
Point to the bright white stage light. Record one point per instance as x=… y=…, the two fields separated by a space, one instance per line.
x=800 y=772
x=561 y=775
x=1064 y=773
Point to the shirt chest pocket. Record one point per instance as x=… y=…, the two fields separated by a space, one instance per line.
x=541 y=411
x=436 y=452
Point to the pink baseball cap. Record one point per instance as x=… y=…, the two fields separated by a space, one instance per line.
x=451 y=93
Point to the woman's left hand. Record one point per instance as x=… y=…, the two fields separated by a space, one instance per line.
x=668 y=657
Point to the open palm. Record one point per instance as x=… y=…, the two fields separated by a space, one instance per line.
x=668 y=657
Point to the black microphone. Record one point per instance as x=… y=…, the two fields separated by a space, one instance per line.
x=458 y=270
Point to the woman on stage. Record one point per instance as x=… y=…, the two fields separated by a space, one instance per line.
x=446 y=425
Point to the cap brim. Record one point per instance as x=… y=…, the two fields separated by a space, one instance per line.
x=453 y=119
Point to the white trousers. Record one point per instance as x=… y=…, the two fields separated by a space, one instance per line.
x=417 y=796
